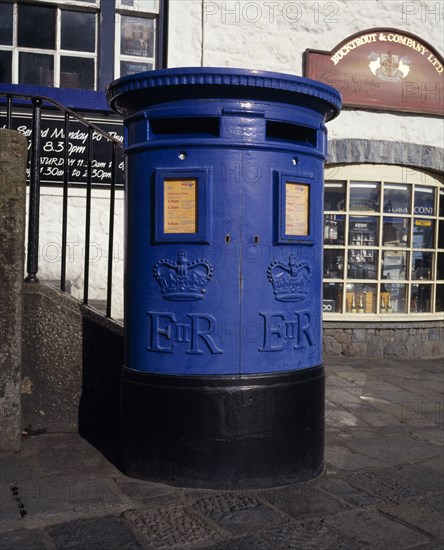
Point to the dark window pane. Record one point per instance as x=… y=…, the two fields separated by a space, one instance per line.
x=364 y=196
x=36 y=26
x=333 y=229
x=422 y=266
x=332 y=299
x=334 y=195
x=5 y=67
x=441 y=234
x=421 y=298
x=137 y=36
x=397 y=198
x=440 y=267
x=423 y=233
x=363 y=231
x=394 y=265
x=333 y=263
x=395 y=231
x=133 y=67
x=441 y=203
x=439 y=297
x=424 y=201
x=6 y=24
x=76 y=72
x=78 y=31
x=362 y=264
x=36 y=68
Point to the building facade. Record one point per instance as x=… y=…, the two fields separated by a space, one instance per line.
x=384 y=191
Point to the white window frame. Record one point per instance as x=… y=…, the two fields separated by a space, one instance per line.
x=58 y=52
x=134 y=11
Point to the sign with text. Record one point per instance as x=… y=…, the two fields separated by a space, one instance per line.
x=180 y=206
x=53 y=148
x=382 y=69
x=296 y=209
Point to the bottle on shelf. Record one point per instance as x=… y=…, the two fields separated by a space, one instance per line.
x=353 y=304
x=361 y=305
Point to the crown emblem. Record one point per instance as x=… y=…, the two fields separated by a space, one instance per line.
x=290 y=281
x=183 y=281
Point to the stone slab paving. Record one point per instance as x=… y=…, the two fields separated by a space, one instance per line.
x=383 y=486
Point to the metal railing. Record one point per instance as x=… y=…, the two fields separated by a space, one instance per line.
x=35 y=149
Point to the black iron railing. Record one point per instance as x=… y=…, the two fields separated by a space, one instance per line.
x=13 y=101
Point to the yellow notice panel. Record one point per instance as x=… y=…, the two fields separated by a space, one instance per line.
x=296 y=209
x=180 y=206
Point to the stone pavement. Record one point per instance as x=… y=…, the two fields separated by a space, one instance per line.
x=383 y=486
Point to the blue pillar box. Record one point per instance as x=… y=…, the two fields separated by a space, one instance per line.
x=223 y=382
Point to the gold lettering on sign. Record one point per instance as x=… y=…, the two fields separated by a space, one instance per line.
x=180 y=206
x=296 y=209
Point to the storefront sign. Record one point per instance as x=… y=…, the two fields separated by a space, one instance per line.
x=382 y=69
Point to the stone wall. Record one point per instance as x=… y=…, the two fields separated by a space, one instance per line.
x=71 y=366
x=409 y=339
x=13 y=155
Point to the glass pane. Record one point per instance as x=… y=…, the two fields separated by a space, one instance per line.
x=78 y=31
x=424 y=201
x=6 y=24
x=141 y=5
x=363 y=231
x=5 y=67
x=397 y=198
x=422 y=265
x=362 y=264
x=334 y=195
x=133 y=67
x=361 y=298
x=364 y=196
x=333 y=229
x=441 y=234
x=137 y=36
x=423 y=233
x=36 y=26
x=439 y=298
x=36 y=68
x=395 y=231
x=441 y=203
x=421 y=298
x=76 y=72
x=393 y=299
x=333 y=264
x=394 y=265
x=332 y=300
x=440 y=266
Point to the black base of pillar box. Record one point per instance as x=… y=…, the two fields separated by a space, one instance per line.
x=223 y=432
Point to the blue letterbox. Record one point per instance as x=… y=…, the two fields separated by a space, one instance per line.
x=223 y=382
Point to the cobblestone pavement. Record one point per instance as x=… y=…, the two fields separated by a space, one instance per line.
x=383 y=486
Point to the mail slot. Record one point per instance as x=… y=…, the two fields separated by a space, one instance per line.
x=223 y=382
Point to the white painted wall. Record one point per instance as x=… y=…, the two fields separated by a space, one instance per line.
x=50 y=243
x=273 y=34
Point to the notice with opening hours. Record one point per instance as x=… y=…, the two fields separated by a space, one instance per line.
x=180 y=206
x=296 y=209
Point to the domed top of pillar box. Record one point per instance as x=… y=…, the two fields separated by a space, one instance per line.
x=133 y=93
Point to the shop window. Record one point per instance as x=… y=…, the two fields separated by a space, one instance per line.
x=383 y=243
